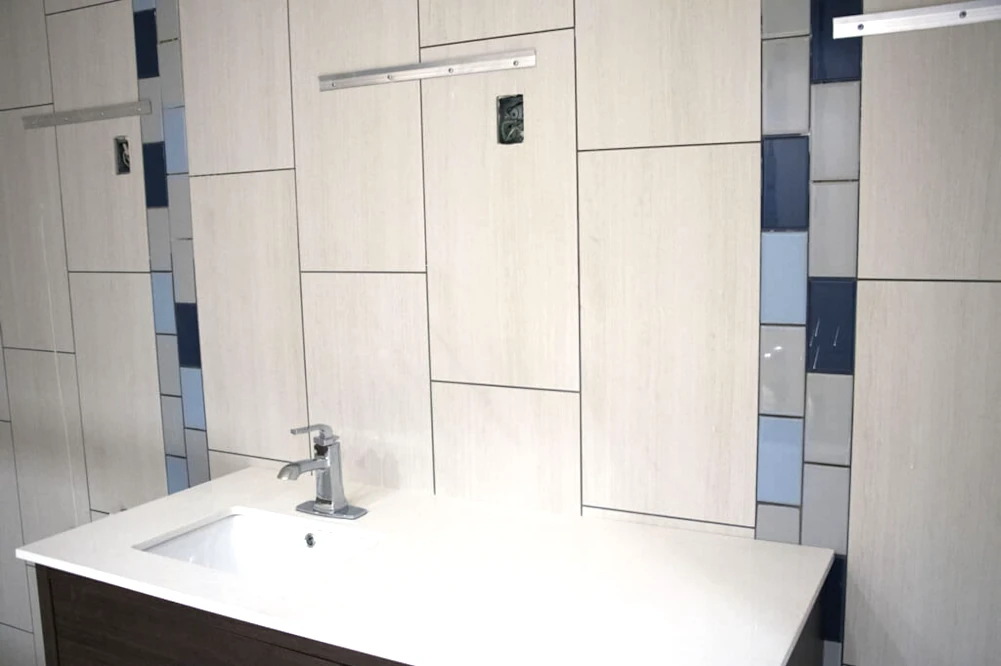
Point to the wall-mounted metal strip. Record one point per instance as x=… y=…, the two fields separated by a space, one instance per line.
x=478 y=64
x=140 y=108
x=922 y=18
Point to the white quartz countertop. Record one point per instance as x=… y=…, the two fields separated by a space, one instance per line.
x=452 y=583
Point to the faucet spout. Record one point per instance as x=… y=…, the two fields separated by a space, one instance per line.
x=291 y=471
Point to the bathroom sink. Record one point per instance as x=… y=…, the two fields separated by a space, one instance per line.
x=261 y=544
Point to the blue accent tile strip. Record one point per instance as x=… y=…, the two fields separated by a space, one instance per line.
x=785 y=196
x=831 y=327
x=188 y=347
x=192 y=398
x=780 y=460
x=155 y=174
x=834 y=60
x=163 y=303
x=832 y=601
x=783 y=278
x=147 y=64
x=176 y=142
x=177 y=474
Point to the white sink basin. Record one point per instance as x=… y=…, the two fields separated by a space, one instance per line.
x=261 y=544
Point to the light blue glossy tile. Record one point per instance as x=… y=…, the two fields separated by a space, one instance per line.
x=780 y=460
x=172 y=412
x=169 y=364
x=834 y=140
x=175 y=138
x=143 y=5
x=832 y=654
x=783 y=277
x=785 y=86
x=151 y=125
x=777 y=523
x=163 y=304
x=197 y=447
x=825 y=507
x=783 y=375
x=193 y=398
x=177 y=475
x=785 y=18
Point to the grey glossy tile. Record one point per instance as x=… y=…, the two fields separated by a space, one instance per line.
x=177 y=475
x=785 y=93
x=783 y=277
x=184 y=271
x=783 y=358
x=175 y=140
x=151 y=125
x=158 y=226
x=834 y=229
x=785 y=18
x=179 y=206
x=197 y=446
x=834 y=149
x=832 y=654
x=168 y=24
x=17 y=647
x=171 y=83
x=169 y=365
x=828 y=437
x=193 y=398
x=777 y=523
x=143 y=5
x=825 y=507
x=163 y=303
x=172 y=412
x=780 y=460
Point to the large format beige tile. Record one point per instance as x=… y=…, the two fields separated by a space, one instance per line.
x=24 y=77
x=930 y=188
x=105 y=213
x=358 y=154
x=34 y=290
x=510 y=446
x=444 y=21
x=235 y=59
x=15 y=609
x=670 y=523
x=668 y=72
x=501 y=221
x=52 y=6
x=249 y=312
x=924 y=587
x=93 y=57
x=16 y=647
x=119 y=389
x=669 y=325
x=368 y=375
x=48 y=442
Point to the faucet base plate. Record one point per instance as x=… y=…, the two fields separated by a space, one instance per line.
x=349 y=512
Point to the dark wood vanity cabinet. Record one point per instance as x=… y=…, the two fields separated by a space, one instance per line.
x=87 y=623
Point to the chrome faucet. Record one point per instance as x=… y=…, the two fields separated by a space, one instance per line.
x=330 y=501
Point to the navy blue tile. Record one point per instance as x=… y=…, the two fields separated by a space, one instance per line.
x=147 y=63
x=155 y=173
x=831 y=59
x=831 y=326
x=785 y=192
x=832 y=601
x=188 y=348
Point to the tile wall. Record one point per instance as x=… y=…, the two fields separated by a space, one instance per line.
x=811 y=93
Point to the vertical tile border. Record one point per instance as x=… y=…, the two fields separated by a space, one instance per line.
x=830 y=322
x=165 y=152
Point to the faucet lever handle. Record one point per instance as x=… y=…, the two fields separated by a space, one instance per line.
x=325 y=430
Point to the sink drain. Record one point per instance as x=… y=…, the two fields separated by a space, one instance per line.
x=310 y=540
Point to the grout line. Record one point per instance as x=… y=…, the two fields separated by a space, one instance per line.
x=773 y=38
x=11 y=626
x=658 y=515
x=760 y=207
x=298 y=241
x=824 y=464
x=76 y=9
x=238 y=173
x=75 y=272
x=427 y=287
x=580 y=318
x=69 y=291
x=504 y=386
x=317 y=272
x=245 y=455
x=421 y=47
x=784 y=416
x=25 y=107
x=925 y=280
x=676 y=145
x=40 y=351
x=833 y=180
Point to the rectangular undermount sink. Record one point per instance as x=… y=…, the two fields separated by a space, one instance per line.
x=261 y=544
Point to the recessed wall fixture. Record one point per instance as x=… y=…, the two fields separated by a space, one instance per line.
x=476 y=64
x=922 y=18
